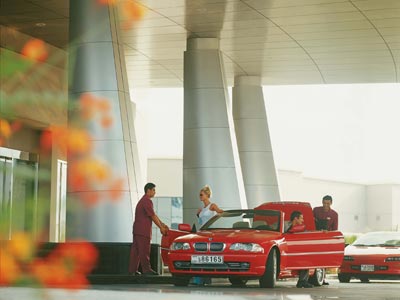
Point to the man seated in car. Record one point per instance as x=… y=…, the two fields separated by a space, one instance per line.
x=297 y=221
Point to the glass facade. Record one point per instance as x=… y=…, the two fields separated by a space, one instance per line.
x=169 y=210
x=18 y=192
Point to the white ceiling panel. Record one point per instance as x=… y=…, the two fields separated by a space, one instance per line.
x=283 y=41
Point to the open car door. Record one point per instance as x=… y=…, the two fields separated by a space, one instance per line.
x=314 y=249
x=167 y=240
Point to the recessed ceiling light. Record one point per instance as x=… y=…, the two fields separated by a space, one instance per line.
x=40 y=24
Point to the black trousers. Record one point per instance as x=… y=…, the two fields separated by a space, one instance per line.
x=303 y=276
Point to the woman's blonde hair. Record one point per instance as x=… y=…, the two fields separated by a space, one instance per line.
x=206 y=190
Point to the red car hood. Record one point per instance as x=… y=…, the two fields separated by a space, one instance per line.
x=231 y=236
x=364 y=250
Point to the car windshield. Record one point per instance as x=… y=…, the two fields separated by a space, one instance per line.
x=375 y=239
x=245 y=219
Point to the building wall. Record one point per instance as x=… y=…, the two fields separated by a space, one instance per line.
x=349 y=199
x=166 y=174
x=383 y=207
x=360 y=207
x=396 y=207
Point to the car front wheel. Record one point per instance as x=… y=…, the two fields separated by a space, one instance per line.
x=268 y=280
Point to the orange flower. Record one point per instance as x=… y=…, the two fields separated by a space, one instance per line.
x=131 y=12
x=16 y=125
x=81 y=254
x=35 y=49
x=66 y=266
x=99 y=171
x=90 y=198
x=77 y=180
x=5 y=129
x=116 y=189
x=9 y=269
x=105 y=2
x=78 y=141
x=46 y=141
x=87 y=104
x=106 y=121
x=103 y=105
x=83 y=174
x=56 y=135
x=21 y=246
x=67 y=140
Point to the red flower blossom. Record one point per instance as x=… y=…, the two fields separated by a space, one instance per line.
x=35 y=49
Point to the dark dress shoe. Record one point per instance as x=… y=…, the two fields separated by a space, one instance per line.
x=304 y=285
x=151 y=273
x=137 y=273
x=325 y=283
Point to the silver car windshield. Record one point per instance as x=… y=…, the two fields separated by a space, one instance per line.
x=245 y=219
x=375 y=239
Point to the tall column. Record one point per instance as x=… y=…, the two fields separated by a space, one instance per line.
x=210 y=152
x=254 y=143
x=97 y=66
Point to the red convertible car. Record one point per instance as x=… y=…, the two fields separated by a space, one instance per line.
x=375 y=255
x=252 y=244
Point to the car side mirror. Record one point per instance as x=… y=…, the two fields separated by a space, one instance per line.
x=297 y=228
x=185 y=227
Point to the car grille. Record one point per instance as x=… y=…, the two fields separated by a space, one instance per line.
x=213 y=247
x=200 y=247
x=225 y=267
x=217 y=247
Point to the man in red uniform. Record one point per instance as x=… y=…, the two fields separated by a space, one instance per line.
x=144 y=216
x=325 y=217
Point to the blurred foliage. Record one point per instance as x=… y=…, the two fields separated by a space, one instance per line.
x=13 y=63
x=349 y=239
x=32 y=89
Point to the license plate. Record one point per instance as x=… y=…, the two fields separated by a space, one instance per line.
x=367 y=268
x=207 y=259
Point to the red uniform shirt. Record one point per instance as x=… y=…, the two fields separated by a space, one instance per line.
x=330 y=216
x=143 y=213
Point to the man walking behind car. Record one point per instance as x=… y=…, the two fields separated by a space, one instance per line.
x=326 y=218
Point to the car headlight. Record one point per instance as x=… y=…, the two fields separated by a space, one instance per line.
x=180 y=246
x=395 y=258
x=250 y=247
x=348 y=258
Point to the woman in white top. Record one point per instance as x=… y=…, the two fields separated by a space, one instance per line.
x=204 y=214
x=209 y=209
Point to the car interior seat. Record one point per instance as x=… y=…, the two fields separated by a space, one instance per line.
x=259 y=223
x=241 y=225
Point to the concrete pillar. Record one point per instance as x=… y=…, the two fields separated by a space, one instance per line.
x=97 y=66
x=210 y=152
x=254 y=143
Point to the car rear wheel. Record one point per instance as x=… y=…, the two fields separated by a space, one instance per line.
x=343 y=278
x=235 y=281
x=180 y=280
x=268 y=280
x=318 y=277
